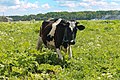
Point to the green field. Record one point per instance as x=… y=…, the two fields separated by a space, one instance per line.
x=96 y=54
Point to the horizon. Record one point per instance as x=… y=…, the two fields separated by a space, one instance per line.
x=56 y=12
x=28 y=7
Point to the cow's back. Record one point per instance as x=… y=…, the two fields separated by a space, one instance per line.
x=50 y=35
x=44 y=25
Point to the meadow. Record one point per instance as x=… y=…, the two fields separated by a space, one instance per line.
x=96 y=54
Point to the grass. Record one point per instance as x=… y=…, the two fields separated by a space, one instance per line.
x=96 y=54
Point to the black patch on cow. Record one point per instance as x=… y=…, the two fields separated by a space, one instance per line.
x=49 y=38
x=65 y=44
x=59 y=33
x=74 y=32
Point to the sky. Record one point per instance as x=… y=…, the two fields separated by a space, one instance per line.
x=27 y=7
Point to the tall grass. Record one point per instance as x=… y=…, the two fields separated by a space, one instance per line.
x=96 y=54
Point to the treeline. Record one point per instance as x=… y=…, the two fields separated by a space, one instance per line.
x=83 y=15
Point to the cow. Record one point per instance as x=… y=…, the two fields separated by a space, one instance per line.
x=59 y=33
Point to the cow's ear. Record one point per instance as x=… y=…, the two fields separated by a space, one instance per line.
x=67 y=24
x=77 y=23
x=64 y=23
x=80 y=27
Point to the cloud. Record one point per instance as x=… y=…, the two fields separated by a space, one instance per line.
x=85 y=5
x=22 y=5
x=90 y=4
x=103 y=5
x=110 y=6
x=9 y=2
x=46 y=6
x=95 y=0
x=3 y=8
x=29 y=5
x=36 y=6
x=114 y=3
x=68 y=4
x=66 y=0
x=116 y=0
x=16 y=5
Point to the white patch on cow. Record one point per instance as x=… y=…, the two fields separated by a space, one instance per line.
x=59 y=53
x=70 y=51
x=52 y=32
x=51 y=43
x=72 y=41
x=72 y=25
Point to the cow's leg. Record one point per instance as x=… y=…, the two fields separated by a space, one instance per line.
x=70 y=52
x=39 y=43
x=59 y=53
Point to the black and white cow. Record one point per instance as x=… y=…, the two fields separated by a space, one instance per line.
x=59 y=33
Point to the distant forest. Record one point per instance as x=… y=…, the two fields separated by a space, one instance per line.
x=82 y=15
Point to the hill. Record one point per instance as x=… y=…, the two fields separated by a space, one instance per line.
x=82 y=15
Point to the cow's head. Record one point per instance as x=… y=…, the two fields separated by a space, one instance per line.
x=71 y=30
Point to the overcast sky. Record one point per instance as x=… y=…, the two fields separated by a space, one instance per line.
x=26 y=7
